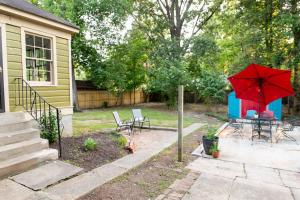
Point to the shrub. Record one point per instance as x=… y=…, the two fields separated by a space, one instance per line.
x=49 y=127
x=90 y=144
x=119 y=139
x=105 y=104
x=122 y=141
x=211 y=132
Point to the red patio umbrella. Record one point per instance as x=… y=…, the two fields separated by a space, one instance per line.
x=262 y=84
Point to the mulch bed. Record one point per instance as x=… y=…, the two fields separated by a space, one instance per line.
x=153 y=177
x=107 y=150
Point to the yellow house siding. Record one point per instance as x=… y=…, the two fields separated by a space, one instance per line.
x=57 y=95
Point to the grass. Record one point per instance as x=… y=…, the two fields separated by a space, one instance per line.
x=101 y=119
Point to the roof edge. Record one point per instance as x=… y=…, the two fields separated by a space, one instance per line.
x=32 y=17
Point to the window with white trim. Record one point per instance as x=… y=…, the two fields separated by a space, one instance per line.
x=39 y=58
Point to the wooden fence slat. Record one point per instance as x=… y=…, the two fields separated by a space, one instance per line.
x=89 y=99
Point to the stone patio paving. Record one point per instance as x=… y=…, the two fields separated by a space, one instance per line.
x=248 y=170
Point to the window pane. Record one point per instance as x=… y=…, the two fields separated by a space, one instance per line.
x=47 y=43
x=29 y=40
x=47 y=54
x=30 y=69
x=40 y=49
x=38 y=53
x=29 y=51
x=38 y=41
x=39 y=64
x=48 y=65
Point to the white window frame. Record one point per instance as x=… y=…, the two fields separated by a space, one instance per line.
x=53 y=81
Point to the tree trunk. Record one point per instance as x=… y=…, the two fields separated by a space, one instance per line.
x=130 y=96
x=269 y=10
x=133 y=96
x=296 y=52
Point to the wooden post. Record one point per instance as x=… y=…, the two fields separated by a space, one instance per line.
x=180 y=121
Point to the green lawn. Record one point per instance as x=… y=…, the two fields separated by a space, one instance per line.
x=100 y=119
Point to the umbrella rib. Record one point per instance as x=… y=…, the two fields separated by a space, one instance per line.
x=269 y=82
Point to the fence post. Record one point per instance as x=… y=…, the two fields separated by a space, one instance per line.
x=180 y=121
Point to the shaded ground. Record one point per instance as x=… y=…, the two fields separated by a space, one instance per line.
x=99 y=119
x=107 y=150
x=153 y=177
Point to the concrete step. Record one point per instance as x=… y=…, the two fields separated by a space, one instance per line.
x=26 y=162
x=18 y=136
x=45 y=175
x=16 y=126
x=18 y=149
x=7 y=118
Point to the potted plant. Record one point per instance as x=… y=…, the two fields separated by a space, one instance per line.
x=209 y=139
x=214 y=150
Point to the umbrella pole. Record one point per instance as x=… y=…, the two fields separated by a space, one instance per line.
x=259 y=119
x=259 y=95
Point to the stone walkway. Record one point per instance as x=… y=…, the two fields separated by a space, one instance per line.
x=248 y=170
x=78 y=186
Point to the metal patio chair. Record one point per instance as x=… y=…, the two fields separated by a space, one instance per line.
x=123 y=124
x=235 y=124
x=139 y=119
x=287 y=127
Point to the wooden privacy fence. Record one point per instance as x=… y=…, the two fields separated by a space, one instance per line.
x=88 y=99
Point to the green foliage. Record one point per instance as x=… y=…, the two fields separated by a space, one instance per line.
x=160 y=52
x=90 y=144
x=209 y=86
x=49 y=127
x=119 y=139
x=211 y=134
x=122 y=141
x=214 y=148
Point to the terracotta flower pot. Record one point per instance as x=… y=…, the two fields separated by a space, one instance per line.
x=216 y=154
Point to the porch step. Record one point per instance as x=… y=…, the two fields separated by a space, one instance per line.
x=18 y=149
x=16 y=125
x=18 y=136
x=25 y=162
x=8 y=118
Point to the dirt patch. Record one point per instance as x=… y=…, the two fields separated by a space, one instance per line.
x=154 y=176
x=107 y=150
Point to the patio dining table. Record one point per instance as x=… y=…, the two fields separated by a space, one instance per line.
x=263 y=124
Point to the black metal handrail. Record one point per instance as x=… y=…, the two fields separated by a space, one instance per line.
x=39 y=109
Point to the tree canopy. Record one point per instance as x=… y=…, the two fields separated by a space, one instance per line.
x=157 y=44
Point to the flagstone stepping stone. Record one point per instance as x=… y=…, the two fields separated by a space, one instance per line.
x=46 y=175
x=10 y=190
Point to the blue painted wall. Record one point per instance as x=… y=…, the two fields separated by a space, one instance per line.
x=234 y=107
x=276 y=107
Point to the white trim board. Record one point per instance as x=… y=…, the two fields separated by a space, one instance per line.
x=5 y=72
x=54 y=73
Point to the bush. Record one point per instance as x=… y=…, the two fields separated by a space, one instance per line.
x=119 y=139
x=211 y=132
x=105 y=104
x=210 y=87
x=90 y=144
x=49 y=127
x=122 y=141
